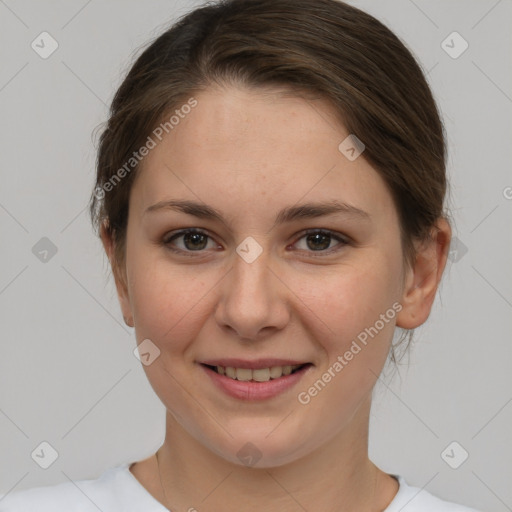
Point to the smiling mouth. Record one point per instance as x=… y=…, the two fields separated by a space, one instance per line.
x=256 y=375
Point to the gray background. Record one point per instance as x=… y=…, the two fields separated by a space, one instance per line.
x=68 y=375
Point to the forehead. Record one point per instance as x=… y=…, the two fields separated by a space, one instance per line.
x=268 y=123
x=252 y=145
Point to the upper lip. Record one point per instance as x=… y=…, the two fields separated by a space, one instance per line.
x=253 y=365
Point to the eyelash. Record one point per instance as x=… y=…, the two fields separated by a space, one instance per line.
x=173 y=236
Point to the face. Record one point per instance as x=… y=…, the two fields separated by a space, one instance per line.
x=261 y=281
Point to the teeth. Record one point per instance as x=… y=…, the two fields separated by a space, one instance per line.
x=243 y=374
x=276 y=372
x=259 y=375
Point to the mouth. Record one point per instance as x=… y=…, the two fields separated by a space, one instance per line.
x=256 y=374
x=263 y=380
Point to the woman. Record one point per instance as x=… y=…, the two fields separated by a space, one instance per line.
x=270 y=190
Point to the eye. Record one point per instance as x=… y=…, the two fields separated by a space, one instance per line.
x=319 y=240
x=192 y=240
x=196 y=240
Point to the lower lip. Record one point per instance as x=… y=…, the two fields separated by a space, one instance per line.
x=252 y=390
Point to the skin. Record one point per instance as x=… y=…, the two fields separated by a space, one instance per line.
x=249 y=153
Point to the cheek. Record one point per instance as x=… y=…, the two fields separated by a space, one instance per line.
x=166 y=300
x=350 y=300
x=357 y=307
x=169 y=309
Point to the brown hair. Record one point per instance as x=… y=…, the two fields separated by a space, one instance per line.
x=321 y=47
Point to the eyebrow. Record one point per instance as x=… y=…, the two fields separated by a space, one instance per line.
x=288 y=214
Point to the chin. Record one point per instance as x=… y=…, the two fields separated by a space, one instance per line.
x=260 y=450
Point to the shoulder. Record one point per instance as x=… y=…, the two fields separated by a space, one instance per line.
x=414 y=499
x=114 y=490
x=45 y=499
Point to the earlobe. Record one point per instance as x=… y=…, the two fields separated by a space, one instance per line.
x=120 y=281
x=423 y=278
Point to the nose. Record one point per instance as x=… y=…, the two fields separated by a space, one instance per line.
x=253 y=300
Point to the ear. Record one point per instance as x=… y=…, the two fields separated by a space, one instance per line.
x=119 y=275
x=423 y=278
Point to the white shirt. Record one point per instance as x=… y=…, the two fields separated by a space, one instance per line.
x=117 y=490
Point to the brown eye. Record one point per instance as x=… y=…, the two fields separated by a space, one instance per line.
x=321 y=241
x=190 y=240
x=318 y=241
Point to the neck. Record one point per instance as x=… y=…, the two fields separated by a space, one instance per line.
x=338 y=476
